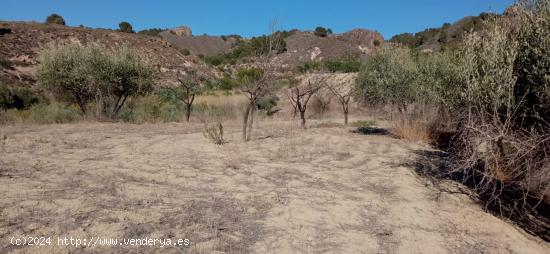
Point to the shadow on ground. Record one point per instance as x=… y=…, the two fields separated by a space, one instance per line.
x=529 y=213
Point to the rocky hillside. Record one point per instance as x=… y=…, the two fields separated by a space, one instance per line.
x=306 y=46
x=21 y=43
x=183 y=38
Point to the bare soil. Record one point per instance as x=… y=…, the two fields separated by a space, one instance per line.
x=320 y=190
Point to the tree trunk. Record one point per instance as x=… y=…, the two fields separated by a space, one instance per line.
x=187 y=112
x=346 y=117
x=303 y=117
x=245 y=122
x=250 y=122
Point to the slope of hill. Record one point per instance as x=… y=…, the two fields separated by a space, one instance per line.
x=448 y=35
x=21 y=43
x=198 y=45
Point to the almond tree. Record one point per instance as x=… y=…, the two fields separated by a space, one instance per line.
x=343 y=93
x=259 y=81
x=254 y=83
x=299 y=94
x=189 y=86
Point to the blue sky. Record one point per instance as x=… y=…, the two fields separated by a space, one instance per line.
x=250 y=18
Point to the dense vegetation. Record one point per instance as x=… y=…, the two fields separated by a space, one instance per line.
x=491 y=93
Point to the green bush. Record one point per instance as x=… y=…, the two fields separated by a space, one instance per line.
x=322 y=32
x=55 y=19
x=185 y=52
x=42 y=114
x=18 y=98
x=346 y=65
x=125 y=27
x=151 y=109
x=152 y=31
x=82 y=74
x=267 y=103
x=5 y=64
x=309 y=66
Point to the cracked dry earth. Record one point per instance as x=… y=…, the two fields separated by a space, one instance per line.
x=322 y=190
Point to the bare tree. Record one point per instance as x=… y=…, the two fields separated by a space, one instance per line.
x=343 y=93
x=258 y=81
x=299 y=94
x=189 y=86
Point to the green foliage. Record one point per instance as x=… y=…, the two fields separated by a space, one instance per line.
x=5 y=64
x=256 y=46
x=388 y=78
x=125 y=27
x=376 y=43
x=309 y=66
x=18 y=98
x=267 y=103
x=346 y=65
x=401 y=76
x=364 y=123
x=152 y=31
x=246 y=75
x=322 y=32
x=153 y=108
x=80 y=74
x=406 y=39
x=41 y=113
x=55 y=19
x=225 y=83
x=185 y=52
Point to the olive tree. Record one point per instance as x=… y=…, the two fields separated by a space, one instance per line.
x=66 y=71
x=82 y=74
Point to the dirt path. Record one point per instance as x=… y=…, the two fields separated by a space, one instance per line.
x=323 y=190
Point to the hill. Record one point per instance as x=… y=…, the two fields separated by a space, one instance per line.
x=21 y=43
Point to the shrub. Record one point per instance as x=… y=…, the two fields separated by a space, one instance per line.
x=185 y=52
x=309 y=66
x=18 y=98
x=214 y=132
x=346 y=65
x=376 y=43
x=322 y=32
x=364 y=123
x=42 y=114
x=55 y=19
x=152 y=31
x=388 y=78
x=125 y=27
x=267 y=103
x=5 y=64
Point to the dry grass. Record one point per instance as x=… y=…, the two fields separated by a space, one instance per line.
x=411 y=129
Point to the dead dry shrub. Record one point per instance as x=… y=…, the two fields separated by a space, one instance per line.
x=214 y=132
x=415 y=126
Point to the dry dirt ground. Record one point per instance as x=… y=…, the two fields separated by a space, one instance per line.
x=322 y=190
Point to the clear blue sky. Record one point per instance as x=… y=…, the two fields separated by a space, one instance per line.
x=250 y=18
